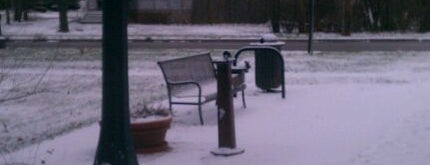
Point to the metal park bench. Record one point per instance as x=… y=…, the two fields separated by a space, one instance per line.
x=192 y=81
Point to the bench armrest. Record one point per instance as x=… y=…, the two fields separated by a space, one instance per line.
x=179 y=83
x=184 y=83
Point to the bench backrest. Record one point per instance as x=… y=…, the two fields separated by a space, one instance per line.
x=197 y=68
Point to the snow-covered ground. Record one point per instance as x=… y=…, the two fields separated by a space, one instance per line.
x=341 y=108
x=44 y=26
x=45 y=92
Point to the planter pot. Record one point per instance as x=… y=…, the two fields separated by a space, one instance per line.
x=149 y=135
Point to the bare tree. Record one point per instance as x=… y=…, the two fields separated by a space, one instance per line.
x=200 y=11
x=301 y=15
x=276 y=15
x=343 y=16
x=17 y=5
x=425 y=16
x=8 y=6
x=346 y=17
x=25 y=9
x=62 y=10
x=0 y=28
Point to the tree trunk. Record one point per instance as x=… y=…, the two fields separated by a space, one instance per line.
x=115 y=146
x=311 y=17
x=212 y=11
x=276 y=15
x=17 y=10
x=0 y=28
x=62 y=8
x=200 y=11
x=25 y=8
x=8 y=6
x=425 y=17
x=229 y=13
x=301 y=16
x=346 y=17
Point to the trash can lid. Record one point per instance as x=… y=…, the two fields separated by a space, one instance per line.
x=269 y=38
x=279 y=43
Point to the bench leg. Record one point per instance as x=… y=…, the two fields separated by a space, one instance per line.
x=200 y=114
x=170 y=108
x=170 y=102
x=243 y=98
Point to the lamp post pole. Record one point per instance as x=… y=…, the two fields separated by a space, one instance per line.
x=226 y=128
x=115 y=146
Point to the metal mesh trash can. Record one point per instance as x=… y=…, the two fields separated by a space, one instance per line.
x=268 y=71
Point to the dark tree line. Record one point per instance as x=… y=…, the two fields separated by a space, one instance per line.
x=343 y=16
x=228 y=11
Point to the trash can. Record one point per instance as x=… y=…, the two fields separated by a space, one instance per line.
x=268 y=68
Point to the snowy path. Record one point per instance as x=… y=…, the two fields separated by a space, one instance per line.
x=341 y=108
x=322 y=124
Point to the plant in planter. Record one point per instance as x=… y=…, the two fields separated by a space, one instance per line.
x=148 y=128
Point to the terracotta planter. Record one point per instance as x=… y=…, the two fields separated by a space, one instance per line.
x=149 y=136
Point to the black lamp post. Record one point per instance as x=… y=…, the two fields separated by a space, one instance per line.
x=115 y=146
x=226 y=128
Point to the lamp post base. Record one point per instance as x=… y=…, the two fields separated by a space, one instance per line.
x=227 y=151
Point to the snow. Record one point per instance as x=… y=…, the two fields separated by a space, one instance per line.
x=44 y=26
x=227 y=151
x=147 y=119
x=49 y=91
x=340 y=108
